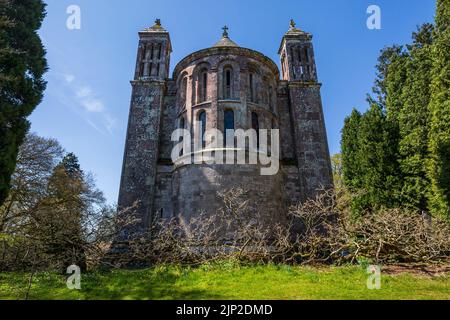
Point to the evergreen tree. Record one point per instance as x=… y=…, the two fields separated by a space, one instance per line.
x=377 y=142
x=350 y=152
x=71 y=165
x=389 y=77
x=439 y=164
x=22 y=65
x=414 y=119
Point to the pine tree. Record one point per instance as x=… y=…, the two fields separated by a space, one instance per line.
x=22 y=65
x=414 y=119
x=439 y=164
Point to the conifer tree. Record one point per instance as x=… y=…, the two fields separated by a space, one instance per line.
x=22 y=65
x=377 y=143
x=414 y=120
x=350 y=151
x=439 y=164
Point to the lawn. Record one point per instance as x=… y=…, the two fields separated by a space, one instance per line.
x=227 y=281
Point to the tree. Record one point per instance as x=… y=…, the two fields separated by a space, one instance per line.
x=389 y=78
x=351 y=168
x=51 y=215
x=63 y=212
x=35 y=162
x=377 y=144
x=22 y=65
x=414 y=119
x=439 y=163
x=336 y=165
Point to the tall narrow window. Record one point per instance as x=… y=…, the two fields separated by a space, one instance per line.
x=203 y=86
x=150 y=69
x=283 y=67
x=183 y=93
x=159 y=51
x=144 y=52
x=306 y=55
x=228 y=123
x=227 y=83
x=255 y=126
x=141 y=69
x=202 y=123
x=252 y=89
x=157 y=69
x=151 y=52
x=182 y=125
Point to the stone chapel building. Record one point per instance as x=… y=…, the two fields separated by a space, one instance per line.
x=225 y=86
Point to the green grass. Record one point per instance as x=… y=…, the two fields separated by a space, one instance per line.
x=227 y=281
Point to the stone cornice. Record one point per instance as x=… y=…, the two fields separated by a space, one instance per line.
x=148 y=82
x=304 y=84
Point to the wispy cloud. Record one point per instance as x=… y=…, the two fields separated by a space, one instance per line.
x=87 y=103
x=69 y=78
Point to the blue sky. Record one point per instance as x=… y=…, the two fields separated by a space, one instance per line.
x=87 y=99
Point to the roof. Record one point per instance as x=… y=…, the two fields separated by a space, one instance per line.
x=225 y=41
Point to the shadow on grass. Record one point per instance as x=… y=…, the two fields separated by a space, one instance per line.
x=111 y=285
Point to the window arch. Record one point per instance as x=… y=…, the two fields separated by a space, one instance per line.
x=183 y=92
x=203 y=85
x=181 y=125
x=228 y=124
x=227 y=79
x=202 y=124
x=255 y=126
x=251 y=84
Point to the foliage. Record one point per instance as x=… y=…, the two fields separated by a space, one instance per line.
x=22 y=65
x=397 y=152
x=51 y=216
x=369 y=146
x=414 y=119
x=439 y=145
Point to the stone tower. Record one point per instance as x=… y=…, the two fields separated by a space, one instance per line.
x=144 y=124
x=311 y=146
x=223 y=87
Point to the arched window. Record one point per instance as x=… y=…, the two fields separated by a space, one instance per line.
x=183 y=92
x=228 y=123
x=251 y=84
x=150 y=69
x=203 y=86
x=182 y=125
x=141 y=69
x=202 y=123
x=255 y=126
x=227 y=83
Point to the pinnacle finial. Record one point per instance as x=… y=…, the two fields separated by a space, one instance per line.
x=158 y=22
x=292 y=24
x=225 y=32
